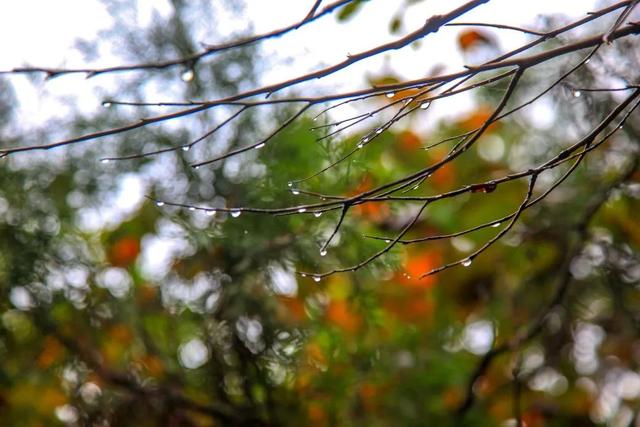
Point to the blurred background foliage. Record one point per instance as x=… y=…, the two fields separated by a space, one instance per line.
x=115 y=311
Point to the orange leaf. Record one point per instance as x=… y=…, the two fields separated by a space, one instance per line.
x=52 y=351
x=470 y=38
x=477 y=118
x=409 y=141
x=340 y=314
x=124 y=251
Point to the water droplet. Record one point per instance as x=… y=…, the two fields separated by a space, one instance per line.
x=259 y=146
x=303 y=275
x=187 y=75
x=323 y=252
x=577 y=94
x=390 y=95
x=302 y=210
x=387 y=240
x=289 y=184
x=359 y=146
x=106 y=104
x=295 y=192
x=415 y=187
x=316 y=278
x=496 y=225
x=365 y=140
x=466 y=262
x=210 y=212
x=587 y=61
x=620 y=127
x=317 y=214
x=196 y=167
x=425 y=105
x=159 y=204
x=104 y=161
x=236 y=213
x=379 y=131
x=192 y=209
x=186 y=148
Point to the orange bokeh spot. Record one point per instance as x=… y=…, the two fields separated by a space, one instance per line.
x=374 y=211
x=409 y=141
x=470 y=38
x=52 y=351
x=293 y=309
x=340 y=314
x=416 y=265
x=124 y=251
x=477 y=118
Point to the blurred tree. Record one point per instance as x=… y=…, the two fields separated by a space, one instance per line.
x=205 y=308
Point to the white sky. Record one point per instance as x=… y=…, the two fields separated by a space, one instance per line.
x=42 y=32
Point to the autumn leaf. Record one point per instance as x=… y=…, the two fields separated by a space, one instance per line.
x=341 y=315
x=469 y=39
x=124 y=251
x=409 y=141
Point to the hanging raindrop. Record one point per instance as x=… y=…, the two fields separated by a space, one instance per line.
x=365 y=140
x=425 y=105
x=187 y=75
x=289 y=184
x=104 y=161
x=359 y=146
x=302 y=210
x=316 y=278
x=303 y=275
x=159 y=204
x=259 y=146
x=390 y=95
x=186 y=148
x=387 y=240
x=236 y=213
x=106 y=104
x=466 y=262
x=323 y=252
x=577 y=94
x=379 y=131
x=210 y=212
x=317 y=214
x=496 y=225
x=295 y=192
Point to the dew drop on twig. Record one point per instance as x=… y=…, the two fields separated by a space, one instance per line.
x=577 y=94
x=104 y=161
x=466 y=262
x=159 y=204
x=317 y=214
x=187 y=75
x=302 y=210
x=106 y=104
x=323 y=252
x=210 y=212
x=496 y=225
x=425 y=105
x=259 y=146
x=236 y=213
x=295 y=192
x=316 y=278
x=390 y=95
x=289 y=184
x=186 y=148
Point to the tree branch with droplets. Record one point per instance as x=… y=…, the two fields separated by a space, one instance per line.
x=423 y=93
